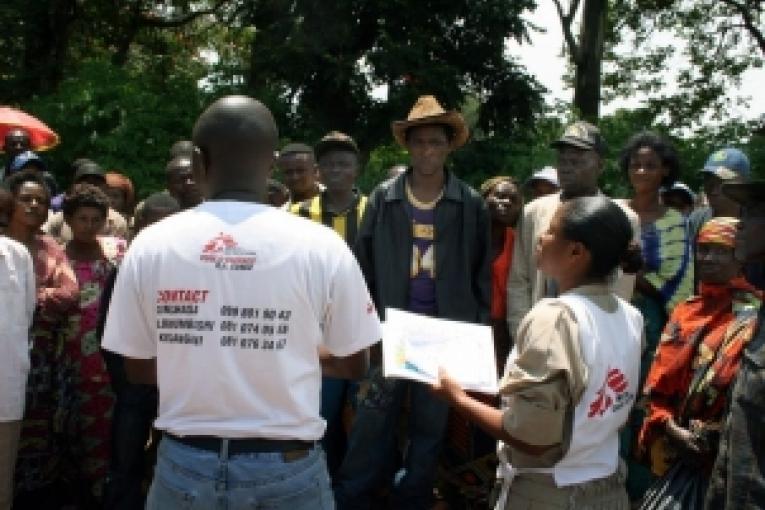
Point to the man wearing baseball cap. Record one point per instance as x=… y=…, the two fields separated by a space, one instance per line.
x=726 y=165
x=723 y=166
x=581 y=158
x=738 y=477
x=340 y=207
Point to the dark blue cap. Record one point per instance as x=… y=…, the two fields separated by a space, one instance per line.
x=24 y=159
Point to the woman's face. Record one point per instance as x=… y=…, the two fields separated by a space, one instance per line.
x=646 y=171
x=30 y=206
x=505 y=203
x=86 y=223
x=716 y=263
x=552 y=248
x=117 y=198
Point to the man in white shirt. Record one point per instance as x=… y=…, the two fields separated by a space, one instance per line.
x=17 y=306
x=581 y=160
x=236 y=308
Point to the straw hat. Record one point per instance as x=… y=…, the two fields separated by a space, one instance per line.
x=427 y=110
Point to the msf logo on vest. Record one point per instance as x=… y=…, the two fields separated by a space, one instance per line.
x=612 y=395
x=223 y=251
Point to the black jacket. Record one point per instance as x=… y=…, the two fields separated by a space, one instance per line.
x=462 y=248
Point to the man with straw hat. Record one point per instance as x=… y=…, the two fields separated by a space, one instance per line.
x=406 y=269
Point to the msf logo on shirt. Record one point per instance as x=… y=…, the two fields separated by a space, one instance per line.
x=612 y=394
x=223 y=251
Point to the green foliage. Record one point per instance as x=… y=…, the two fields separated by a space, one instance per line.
x=125 y=119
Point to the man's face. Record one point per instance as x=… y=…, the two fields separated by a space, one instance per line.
x=750 y=237
x=428 y=148
x=338 y=170
x=718 y=201
x=299 y=173
x=16 y=142
x=181 y=184
x=578 y=170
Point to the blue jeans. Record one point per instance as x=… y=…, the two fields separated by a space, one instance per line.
x=188 y=478
x=371 y=457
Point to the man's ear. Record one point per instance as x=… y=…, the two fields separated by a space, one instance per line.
x=199 y=167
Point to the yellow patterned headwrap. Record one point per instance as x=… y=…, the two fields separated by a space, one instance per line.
x=720 y=231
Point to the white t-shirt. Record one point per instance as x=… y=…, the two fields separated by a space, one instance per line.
x=234 y=299
x=17 y=307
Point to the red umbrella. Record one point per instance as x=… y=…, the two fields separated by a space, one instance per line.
x=41 y=137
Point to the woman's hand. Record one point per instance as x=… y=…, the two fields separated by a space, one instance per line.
x=447 y=387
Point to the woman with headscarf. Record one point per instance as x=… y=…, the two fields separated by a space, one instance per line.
x=696 y=362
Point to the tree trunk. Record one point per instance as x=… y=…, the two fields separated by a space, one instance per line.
x=589 y=59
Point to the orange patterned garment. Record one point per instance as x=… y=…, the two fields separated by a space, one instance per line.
x=696 y=361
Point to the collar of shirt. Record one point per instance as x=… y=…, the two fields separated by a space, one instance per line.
x=397 y=190
x=598 y=293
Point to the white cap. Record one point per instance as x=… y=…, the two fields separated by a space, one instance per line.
x=548 y=173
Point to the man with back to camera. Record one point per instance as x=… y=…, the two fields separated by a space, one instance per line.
x=235 y=308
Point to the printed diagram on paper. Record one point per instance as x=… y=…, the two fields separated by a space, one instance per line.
x=414 y=346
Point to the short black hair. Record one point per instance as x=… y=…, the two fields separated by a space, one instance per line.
x=85 y=195
x=603 y=228
x=448 y=130
x=16 y=181
x=661 y=146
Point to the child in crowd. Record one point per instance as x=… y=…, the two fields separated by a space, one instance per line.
x=568 y=385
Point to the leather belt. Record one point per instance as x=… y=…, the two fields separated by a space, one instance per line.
x=291 y=449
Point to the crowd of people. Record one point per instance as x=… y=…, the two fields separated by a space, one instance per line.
x=217 y=344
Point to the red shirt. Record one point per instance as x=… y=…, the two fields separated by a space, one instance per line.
x=500 y=268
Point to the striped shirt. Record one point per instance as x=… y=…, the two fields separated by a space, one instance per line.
x=346 y=223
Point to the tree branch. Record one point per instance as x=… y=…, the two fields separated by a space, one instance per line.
x=565 y=21
x=148 y=20
x=749 y=23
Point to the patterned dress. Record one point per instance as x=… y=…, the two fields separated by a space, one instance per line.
x=89 y=410
x=695 y=365
x=39 y=461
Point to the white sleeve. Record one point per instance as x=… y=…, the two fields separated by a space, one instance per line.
x=127 y=329
x=350 y=321
x=31 y=289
